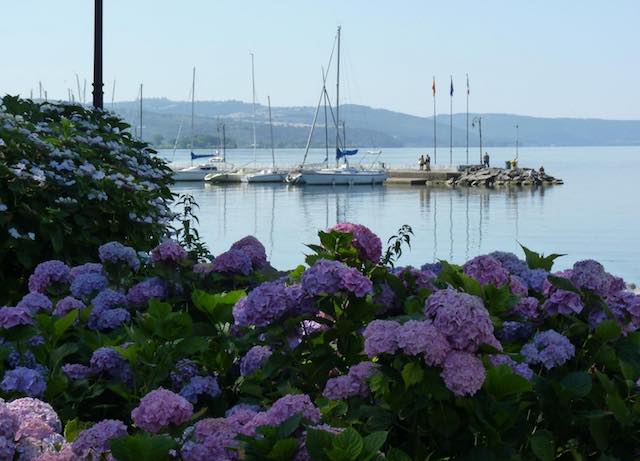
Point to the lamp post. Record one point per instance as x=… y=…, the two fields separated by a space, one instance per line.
x=98 y=94
x=474 y=122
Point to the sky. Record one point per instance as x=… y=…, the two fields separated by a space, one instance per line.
x=577 y=58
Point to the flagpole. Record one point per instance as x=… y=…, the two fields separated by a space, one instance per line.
x=451 y=123
x=435 y=153
x=467 y=119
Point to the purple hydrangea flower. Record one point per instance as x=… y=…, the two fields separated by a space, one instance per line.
x=170 y=252
x=84 y=285
x=104 y=320
x=300 y=303
x=8 y=422
x=117 y=253
x=35 y=302
x=590 y=275
x=48 y=273
x=24 y=381
x=7 y=448
x=14 y=316
x=528 y=308
x=35 y=428
x=30 y=408
x=512 y=332
x=366 y=242
x=198 y=386
x=421 y=337
x=35 y=341
x=262 y=306
x=510 y=262
x=381 y=337
x=486 y=270
x=521 y=369
x=76 y=371
x=254 y=249
x=548 y=348
x=563 y=302
x=254 y=359
x=518 y=286
x=463 y=373
x=185 y=370
x=213 y=438
x=94 y=442
x=386 y=297
x=330 y=277
x=435 y=268
x=108 y=361
x=246 y=411
x=352 y=384
x=414 y=278
x=291 y=405
x=233 y=262
x=88 y=268
x=461 y=318
x=202 y=268
x=141 y=293
x=66 y=305
x=160 y=408
x=535 y=278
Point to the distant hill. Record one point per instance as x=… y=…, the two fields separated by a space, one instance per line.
x=365 y=126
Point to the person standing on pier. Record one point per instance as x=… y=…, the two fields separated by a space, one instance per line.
x=421 y=162
x=428 y=163
x=486 y=159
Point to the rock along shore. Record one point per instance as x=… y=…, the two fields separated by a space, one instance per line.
x=489 y=177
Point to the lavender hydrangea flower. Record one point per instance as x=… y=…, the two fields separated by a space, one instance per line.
x=262 y=306
x=291 y=405
x=463 y=373
x=381 y=337
x=590 y=275
x=486 y=270
x=421 y=337
x=414 y=278
x=563 y=302
x=141 y=293
x=117 y=253
x=30 y=408
x=254 y=249
x=528 y=308
x=366 y=242
x=66 y=305
x=169 y=252
x=24 y=381
x=8 y=422
x=515 y=331
x=35 y=302
x=232 y=262
x=330 y=277
x=254 y=359
x=88 y=268
x=14 y=316
x=185 y=369
x=435 y=268
x=77 y=371
x=160 y=408
x=199 y=386
x=521 y=369
x=535 y=278
x=84 y=285
x=510 y=262
x=352 y=384
x=461 y=318
x=548 y=348
x=108 y=361
x=48 y=273
x=518 y=286
x=94 y=442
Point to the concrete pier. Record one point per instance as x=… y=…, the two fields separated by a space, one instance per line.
x=420 y=177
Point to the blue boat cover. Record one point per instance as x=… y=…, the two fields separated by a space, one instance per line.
x=343 y=153
x=195 y=156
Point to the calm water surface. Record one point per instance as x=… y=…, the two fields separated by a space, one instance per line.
x=593 y=215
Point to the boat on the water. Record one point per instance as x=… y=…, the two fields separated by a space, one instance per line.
x=342 y=173
x=224 y=176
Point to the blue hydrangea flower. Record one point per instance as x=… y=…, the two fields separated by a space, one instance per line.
x=25 y=381
x=548 y=348
x=200 y=386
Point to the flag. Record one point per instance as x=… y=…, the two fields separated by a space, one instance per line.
x=467 y=84
x=451 y=90
x=433 y=87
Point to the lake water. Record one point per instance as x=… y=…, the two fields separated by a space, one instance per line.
x=593 y=215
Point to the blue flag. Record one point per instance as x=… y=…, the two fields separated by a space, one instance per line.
x=343 y=153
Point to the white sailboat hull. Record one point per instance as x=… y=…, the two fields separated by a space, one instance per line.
x=341 y=177
x=224 y=177
x=192 y=175
x=265 y=176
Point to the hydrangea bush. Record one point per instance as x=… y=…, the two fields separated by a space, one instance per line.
x=156 y=355
x=70 y=179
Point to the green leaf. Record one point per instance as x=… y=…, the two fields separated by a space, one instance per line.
x=412 y=373
x=395 y=454
x=608 y=330
x=284 y=449
x=289 y=426
x=502 y=382
x=347 y=445
x=73 y=428
x=373 y=442
x=578 y=383
x=62 y=324
x=562 y=283
x=543 y=446
x=539 y=261
x=619 y=409
x=317 y=442
x=142 y=447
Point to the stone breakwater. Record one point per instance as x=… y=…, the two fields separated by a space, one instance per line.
x=488 y=177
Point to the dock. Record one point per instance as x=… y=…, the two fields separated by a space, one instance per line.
x=420 y=177
x=474 y=176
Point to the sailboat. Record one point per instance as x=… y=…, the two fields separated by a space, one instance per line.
x=342 y=173
x=215 y=162
x=269 y=174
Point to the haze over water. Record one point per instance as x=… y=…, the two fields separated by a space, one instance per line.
x=593 y=215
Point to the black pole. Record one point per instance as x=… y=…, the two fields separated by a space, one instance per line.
x=97 y=57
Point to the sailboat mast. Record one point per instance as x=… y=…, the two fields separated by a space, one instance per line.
x=338 y=99
x=141 y=111
x=224 y=144
x=253 y=90
x=273 y=155
x=193 y=105
x=326 y=122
